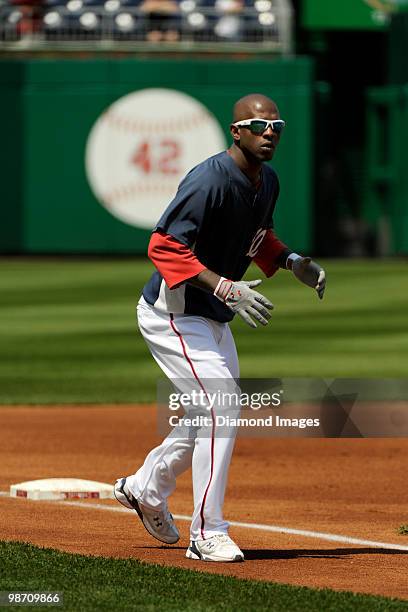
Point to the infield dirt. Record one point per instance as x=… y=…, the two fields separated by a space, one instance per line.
x=354 y=488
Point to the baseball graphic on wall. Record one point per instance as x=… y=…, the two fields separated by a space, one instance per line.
x=140 y=148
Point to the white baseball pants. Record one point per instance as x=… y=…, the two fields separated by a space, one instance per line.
x=190 y=350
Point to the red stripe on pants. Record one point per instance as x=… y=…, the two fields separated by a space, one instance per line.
x=183 y=346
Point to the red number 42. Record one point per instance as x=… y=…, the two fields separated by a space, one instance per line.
x=162 y=157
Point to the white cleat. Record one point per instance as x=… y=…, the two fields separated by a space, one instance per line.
x=160 y=525
x=218 y=548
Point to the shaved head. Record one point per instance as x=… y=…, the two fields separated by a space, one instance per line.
x=254 y=105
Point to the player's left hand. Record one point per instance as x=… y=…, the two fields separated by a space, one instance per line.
x=310 y=273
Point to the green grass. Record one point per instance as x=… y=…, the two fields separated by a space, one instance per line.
x=403 y=529
x=95 y=583
x=68 y=331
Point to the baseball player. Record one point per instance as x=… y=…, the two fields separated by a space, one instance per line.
x=219 y=221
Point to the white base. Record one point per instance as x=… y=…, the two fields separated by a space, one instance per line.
x=62 y=488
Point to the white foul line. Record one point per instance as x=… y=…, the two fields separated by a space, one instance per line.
x=330 y=537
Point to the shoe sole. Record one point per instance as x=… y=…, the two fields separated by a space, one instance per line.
x=132 y=504
x=197 y=556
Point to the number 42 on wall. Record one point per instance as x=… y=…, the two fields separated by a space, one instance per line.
x=160 y=158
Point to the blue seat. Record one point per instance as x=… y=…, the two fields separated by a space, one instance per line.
x=55 y=24
x=229 y=28
x=87 y=25
x=260 y=28
x=90 y=3
x=52 y=3
x=131 y=3
x=198 y=26
x=128 y=25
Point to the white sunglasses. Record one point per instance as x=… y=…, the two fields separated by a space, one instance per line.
x=258 y=126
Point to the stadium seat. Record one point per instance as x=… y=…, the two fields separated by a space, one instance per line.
x=128 y=26
x=198 y=20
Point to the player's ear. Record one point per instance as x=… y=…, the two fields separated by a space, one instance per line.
x=234 y=132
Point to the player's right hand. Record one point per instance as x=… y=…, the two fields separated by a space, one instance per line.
x=243 y=300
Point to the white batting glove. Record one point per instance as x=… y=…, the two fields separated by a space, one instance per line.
x=310 y=273
x=243 y=300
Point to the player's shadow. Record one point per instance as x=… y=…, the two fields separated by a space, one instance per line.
x=257 y=554
x=254 y=554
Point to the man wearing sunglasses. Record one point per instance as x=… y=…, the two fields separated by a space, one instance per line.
x=219 y=221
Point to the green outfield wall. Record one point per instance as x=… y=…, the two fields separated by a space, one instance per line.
x=386 y=194
x=49 y=107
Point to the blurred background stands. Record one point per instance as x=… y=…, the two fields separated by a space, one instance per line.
x=44 y=23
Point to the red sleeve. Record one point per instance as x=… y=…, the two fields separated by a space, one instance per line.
x=175 y=261
x=268 y=253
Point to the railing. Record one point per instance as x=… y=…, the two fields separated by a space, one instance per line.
x=262 y=25
x=386 y=198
